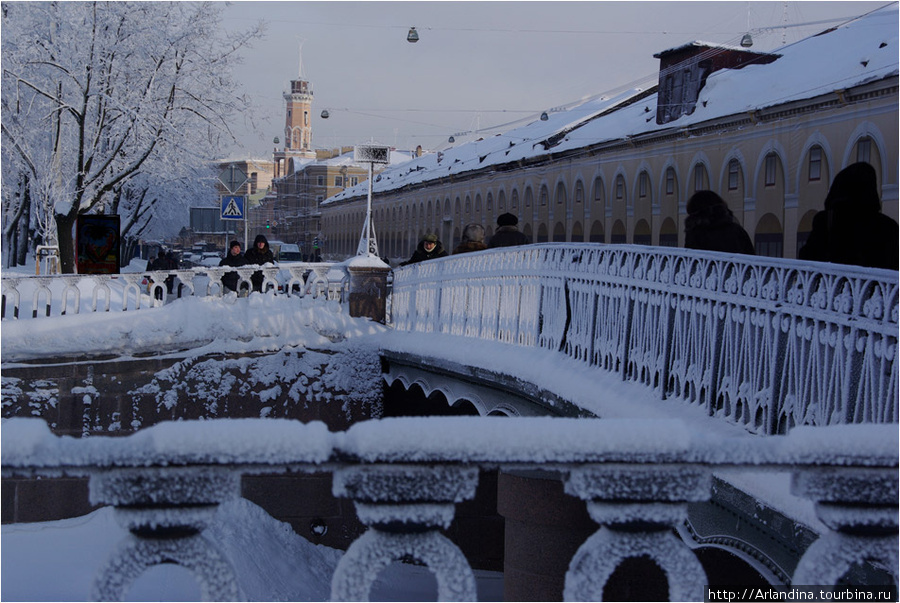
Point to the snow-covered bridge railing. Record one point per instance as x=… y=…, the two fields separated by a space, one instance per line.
x=406 y=476
x=763 y=342
x=69 y=294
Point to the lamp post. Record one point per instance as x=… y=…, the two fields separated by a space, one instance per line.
x=370 y=154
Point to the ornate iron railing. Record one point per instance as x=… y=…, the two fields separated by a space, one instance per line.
x=763 y=342
x=68 y=294
x=406 y=476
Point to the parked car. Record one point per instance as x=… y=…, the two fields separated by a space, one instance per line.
x=290 y=253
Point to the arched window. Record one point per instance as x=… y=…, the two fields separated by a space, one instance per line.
x=560 y=193
x=701 y=178
x=814 y=172
x=734 y=175
x=671 y=184
x=579 y=192
x=514 y=201
x=529 y=197
x=501 y=201
x=545 y=194
x=620 y=188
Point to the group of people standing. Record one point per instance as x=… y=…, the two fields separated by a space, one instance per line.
x=507 y=235
x=850 y=230
x=259 y=254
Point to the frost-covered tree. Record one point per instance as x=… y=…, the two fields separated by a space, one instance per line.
x=98 y=94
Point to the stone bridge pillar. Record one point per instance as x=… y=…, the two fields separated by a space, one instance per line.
x=368 y=288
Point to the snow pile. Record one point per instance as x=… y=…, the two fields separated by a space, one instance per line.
x=272 y=562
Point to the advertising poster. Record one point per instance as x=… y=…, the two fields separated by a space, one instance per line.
x=97 y=244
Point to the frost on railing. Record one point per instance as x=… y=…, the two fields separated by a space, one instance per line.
x=763 y=342
x=406 y=476
x=62 y=295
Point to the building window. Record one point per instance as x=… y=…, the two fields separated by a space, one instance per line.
x=579 y=193
x=561 y=196
x=643 y=184
x=320 y=180
x=734 y=174
x=700 y=177
x=670 y=181
x=339 y=181
x=771 y=169
x=864 y=150
x=620 y=187
x=490 y=203
x=513 y=200
x=815 y=163
x=529 y=196
x=354 y=180
x=545 y=195
x=769 y=244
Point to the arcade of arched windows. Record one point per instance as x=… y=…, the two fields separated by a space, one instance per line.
x=772 y=195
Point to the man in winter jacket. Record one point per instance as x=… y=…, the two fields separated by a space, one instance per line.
x=234 y=258
x=507 y=234
x=429 y=248
x=259 y=254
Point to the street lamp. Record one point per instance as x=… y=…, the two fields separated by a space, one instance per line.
x=325 y=114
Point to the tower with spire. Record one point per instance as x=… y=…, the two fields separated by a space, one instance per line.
x=297 y=123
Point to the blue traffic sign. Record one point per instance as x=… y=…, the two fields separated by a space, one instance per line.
x=233 y=207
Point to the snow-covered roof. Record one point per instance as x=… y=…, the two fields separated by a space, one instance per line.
x=698 y=44
x=857 y=52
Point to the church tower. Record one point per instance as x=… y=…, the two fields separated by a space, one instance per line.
x=297 y=124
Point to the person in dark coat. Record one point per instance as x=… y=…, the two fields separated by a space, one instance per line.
x=710 y=225
x=427 y=249
x=234 y=258
x=472 y=239
x=507 y=234
x=851 y=229
x=259 y=254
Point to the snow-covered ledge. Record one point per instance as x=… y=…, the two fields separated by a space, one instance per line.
x=407 y=474
x=69 y=294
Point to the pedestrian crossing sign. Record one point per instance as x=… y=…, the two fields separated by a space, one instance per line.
x=233 y=207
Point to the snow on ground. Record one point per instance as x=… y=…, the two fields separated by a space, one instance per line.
x=56 y=561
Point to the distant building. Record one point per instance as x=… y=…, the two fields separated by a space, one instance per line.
x=768 y=132
x=304 y=178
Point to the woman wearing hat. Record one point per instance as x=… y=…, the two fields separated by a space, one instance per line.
x=428 y=248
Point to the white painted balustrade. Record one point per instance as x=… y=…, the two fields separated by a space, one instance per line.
x=69 y=294
x=406 y=475
x=763 y=342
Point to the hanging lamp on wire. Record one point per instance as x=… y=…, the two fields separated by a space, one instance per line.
x=413 y=36
x=544 y=116
x=451 y=140
x=325 y=114
x=747 y=40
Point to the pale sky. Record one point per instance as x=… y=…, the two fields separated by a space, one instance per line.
x=478 y=66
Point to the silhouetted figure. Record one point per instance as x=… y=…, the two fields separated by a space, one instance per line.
x=710 y=225
x=852 y=229
x=507 y=234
